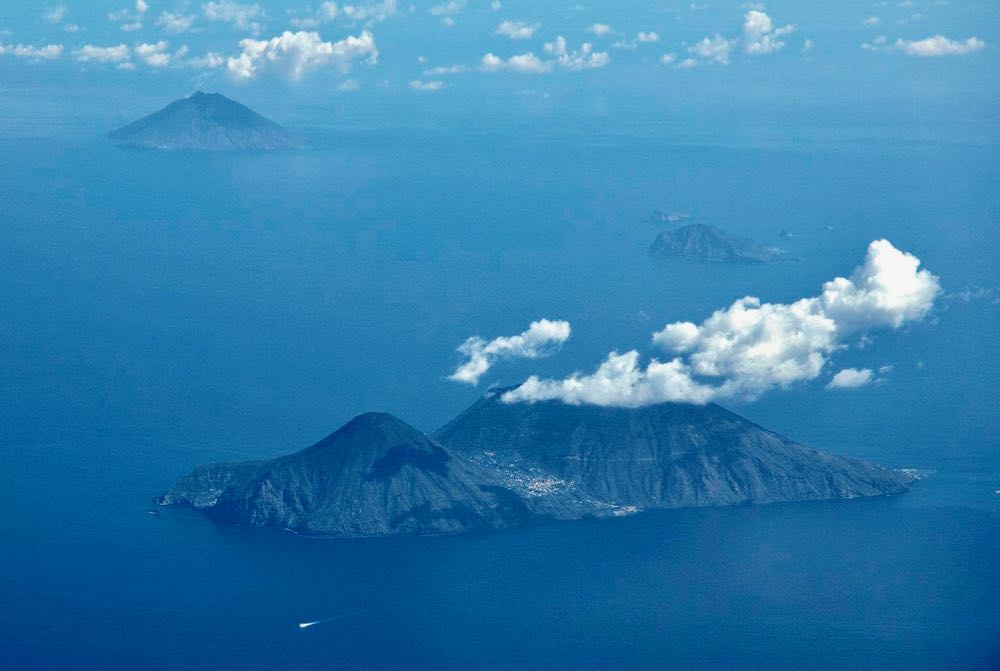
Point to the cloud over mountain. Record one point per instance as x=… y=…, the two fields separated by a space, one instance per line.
x=751 y=347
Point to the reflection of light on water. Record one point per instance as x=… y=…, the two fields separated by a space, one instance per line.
x=306 y=625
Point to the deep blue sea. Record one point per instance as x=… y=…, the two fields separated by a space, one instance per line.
x=159 y=311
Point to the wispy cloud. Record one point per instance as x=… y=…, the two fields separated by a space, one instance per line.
x=600 y=29
x=447 y=8
x=175 y=23
x=421 y=85
x=642 y=37
x=326 y=12
x=131 y=18
x=55 y=14
x=543 y=337
x=240 y=16
x=517 y=30
x=371 y=13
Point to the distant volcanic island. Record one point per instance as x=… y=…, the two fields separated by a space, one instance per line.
x=208 y=122
x=708 y=243
x=502 y=465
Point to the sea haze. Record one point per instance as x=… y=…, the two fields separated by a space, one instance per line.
x=164 y=310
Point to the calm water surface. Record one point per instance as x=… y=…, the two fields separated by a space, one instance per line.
x=161 y=311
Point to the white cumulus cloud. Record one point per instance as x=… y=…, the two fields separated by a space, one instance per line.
x=49 y=52
x=559 y=56
x=584 y=58
x=850 y=378
x=527 y=62
x=751 y=347
x=713 y=49
x=294 y=54
x=760 y=35
x=116 y=54
x=156 y=55
x=939 y=45
x=543 y=337
x=599 y=29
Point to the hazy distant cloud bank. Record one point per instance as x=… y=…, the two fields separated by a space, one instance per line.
x=299 y=48
x=557 y=56
x=47 y=53
x=929 y=47
x=751 y=347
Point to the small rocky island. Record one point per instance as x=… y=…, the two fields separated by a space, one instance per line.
x=708 y=243
x=205 y=122
x=501 y=465
x=665 y=217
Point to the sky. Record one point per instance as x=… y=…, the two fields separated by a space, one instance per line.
x=547 y=67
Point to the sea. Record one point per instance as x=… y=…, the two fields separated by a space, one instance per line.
x=158 y=311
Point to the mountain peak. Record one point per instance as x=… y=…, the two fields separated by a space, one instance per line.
x=378 y=428
x=205 y=122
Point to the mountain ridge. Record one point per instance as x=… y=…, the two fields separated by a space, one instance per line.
x=502 y=465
